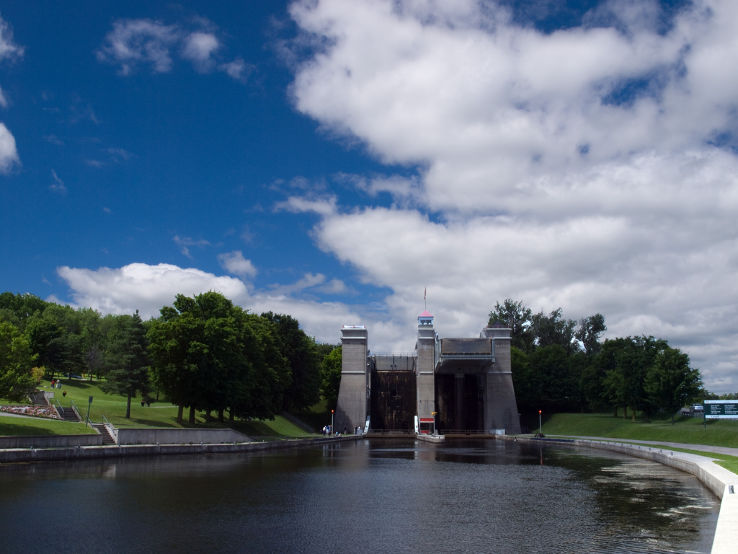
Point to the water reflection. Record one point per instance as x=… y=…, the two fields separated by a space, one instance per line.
x=402 y=496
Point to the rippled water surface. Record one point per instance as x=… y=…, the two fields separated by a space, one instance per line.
x=369 y=496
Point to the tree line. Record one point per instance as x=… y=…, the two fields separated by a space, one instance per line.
x=562 y=365
x=205 y=354
x=202 y=353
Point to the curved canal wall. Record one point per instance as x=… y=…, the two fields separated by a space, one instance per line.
x=723 y=483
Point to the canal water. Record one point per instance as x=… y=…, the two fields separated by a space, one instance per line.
x=367 y=496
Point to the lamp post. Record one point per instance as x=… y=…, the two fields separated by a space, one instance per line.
x=539 y=422
x=89 y=404
x=332 y=430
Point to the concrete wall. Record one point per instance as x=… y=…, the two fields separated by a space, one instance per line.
x=50 y=441
x=501 y=408
x=351 y=410
x=92 y=452
x=179 y=436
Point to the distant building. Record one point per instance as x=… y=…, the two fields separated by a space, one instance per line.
x=448 y=384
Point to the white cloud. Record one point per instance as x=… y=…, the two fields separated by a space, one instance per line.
x=185 y=243
x=8 y=153
x=314 y=281
x=147 y=288
x=406 y=191
x=3 y=99
x=234 y=262
x=144 y=287
x=139 y=41
x=199 y=48
x=592 y=168
x=8 y=48
x=334 y=286
x=58 y=185
x=236 y=69
x=487 y=110
x=144 y=42
x=299 y=204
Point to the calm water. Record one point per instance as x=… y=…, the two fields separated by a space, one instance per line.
x=371 y=496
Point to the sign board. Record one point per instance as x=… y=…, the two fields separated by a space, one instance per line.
x=721 y=409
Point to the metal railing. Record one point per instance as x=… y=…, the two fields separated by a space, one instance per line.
x=111 y=429
x=464 y=432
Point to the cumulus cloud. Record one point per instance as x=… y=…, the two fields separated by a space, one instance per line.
x=9 y=50
x=199 y=48
x=489 y=109
x=132 y=42
x=144 y=42
x=8 y=152
x=147 y=288
x=592 y=167
x=144 y=287
x=234 y=262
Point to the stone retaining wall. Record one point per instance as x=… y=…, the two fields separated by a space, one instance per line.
x=90 y=452
x=50 y=441
x=179 y=436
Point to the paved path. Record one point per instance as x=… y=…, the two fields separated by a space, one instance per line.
x=700 y=447
x=13 y=415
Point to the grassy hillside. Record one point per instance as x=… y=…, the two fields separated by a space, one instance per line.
x=17 y=426
x=688 y=430
x=113 y=407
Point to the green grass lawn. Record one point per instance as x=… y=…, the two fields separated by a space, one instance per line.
x=687 y=430
x=113 y=407
x=18 y=426
x=270 y=429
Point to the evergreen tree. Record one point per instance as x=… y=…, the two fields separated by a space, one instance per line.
x=128 y=359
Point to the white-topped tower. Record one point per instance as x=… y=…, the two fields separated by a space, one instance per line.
x=426 y=349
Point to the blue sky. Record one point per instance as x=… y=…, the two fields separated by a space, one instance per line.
x=333 y=159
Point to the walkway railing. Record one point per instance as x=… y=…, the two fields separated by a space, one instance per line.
x=111 y=429
x=464 y=432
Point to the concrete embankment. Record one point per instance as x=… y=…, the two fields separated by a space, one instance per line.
x=50 y=441
x=723 y=483
x=14 y=455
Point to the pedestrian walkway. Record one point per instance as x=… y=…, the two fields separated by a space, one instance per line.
x=701 y=447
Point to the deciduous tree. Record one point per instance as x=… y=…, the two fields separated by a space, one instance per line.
x=16 y=361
